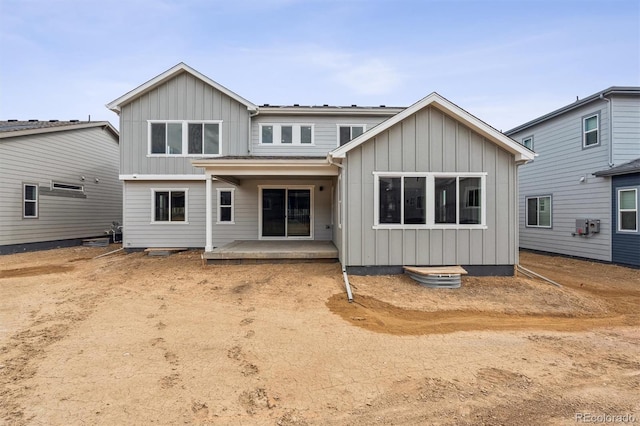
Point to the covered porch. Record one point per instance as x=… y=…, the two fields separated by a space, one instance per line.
x=273 y=251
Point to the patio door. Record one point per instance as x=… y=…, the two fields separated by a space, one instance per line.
x=286 y=212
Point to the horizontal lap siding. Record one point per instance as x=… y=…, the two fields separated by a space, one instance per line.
x=141 y=233
x=556 y=171
x=325 y=133
x=626 y=129
x=430 y=141
x=181 y=98
x=63 y=157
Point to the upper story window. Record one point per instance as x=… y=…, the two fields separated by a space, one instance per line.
x=590 y=127
x=528 y=142
x=628 y=210
x=539 y=211
x=182 y=138
x=427 y=200
x=286 y=134
x=30 y=201
x=346 y=132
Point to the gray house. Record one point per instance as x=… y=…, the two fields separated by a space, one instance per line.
x=58 y=181
x=380 y=186
x=574 y=194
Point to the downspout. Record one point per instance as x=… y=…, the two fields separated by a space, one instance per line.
x=251 y=115
x=343 y=229
x=610 y=129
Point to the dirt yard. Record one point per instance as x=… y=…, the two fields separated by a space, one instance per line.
x=132 y=339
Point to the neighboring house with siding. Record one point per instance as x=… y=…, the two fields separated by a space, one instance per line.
x=58 y=181
x=426 y=185
x=575 y=148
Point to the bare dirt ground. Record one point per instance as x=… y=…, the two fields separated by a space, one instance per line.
x=132 y=339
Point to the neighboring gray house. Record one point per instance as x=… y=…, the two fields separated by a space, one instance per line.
x=58 y=181
x=568 y=182
x=203 y=167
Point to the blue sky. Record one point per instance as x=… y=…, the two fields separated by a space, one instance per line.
x=504 y=61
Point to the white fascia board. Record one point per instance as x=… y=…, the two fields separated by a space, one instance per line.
x=521 y=153
x=170 y=73
x=319 y=110
x=66 y=128
x=141 y=177
x=267 y=167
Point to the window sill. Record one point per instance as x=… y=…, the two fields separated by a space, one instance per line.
x=225 y=223
x=538 y=227
x=429 y=227
x=169 y=222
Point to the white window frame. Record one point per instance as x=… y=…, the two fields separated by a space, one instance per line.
x=219 y=192
x=185 y=138
x=584 y=130
x=296 y=130
x=64 y=186
x=170 y=190
x=620 y=211
x=351 y=126
x=530 y=140
x=25 y=201
x=429 y=201
x=526 y=209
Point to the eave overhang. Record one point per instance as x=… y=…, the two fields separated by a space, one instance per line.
x=243 y=168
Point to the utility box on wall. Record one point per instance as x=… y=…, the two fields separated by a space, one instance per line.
x=587 y=226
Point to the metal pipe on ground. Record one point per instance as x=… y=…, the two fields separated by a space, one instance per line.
x=346 y=284
x=528 y=271
x=111 y=252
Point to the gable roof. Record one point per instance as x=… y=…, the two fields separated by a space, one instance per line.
x=613 y=90
x=435 y=100
x=15 y=128
x=632 y=166
x=116 y=104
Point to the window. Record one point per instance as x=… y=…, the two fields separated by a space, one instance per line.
x=67 y=186
x=590 y=131
x=30 y=201
x=528 y=142
x=428 y=200
x=539 y=211
x=348 y=132
x=286 y=134
x=169 y=205
x=225 y=206
x=628 y=210
x=181 y=138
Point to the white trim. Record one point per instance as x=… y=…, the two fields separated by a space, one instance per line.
x=331 y=110
x=116 y=105
x=25 y=201
x=584 y=130
x=524 y=142
x=267 y=167
x=521 y=153
x=429 y=200
x=311 y=189
x=526 y=209
x=219 y=206
x=185 y=138
x=351 y=126
x=208 y=215
x=137 y=177
x=169 y=222
x=619 y=211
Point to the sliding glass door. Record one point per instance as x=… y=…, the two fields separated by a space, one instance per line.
x=286 y=212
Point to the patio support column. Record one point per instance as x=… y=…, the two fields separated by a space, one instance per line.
x=208 y=213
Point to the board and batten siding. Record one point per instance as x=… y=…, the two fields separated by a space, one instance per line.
x=140 y=232
x=63 y=156
x=626 y=128
x=430 y=141
x=182 y=97
x=325 y=133
x=558 y=169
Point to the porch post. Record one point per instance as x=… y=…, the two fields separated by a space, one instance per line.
x=208 y=213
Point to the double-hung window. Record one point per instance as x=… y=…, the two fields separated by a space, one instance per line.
x=539 y=211
x=225 y=206
x=590 y=126
x=169 y=205
x=528 y=142
x=30 y=201
x=628 y=210
x=286 y=134
x=182 y=138
x=429 y=200
x=348 y=132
